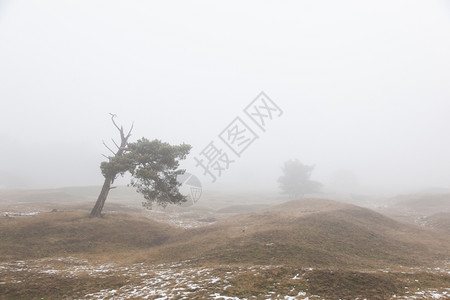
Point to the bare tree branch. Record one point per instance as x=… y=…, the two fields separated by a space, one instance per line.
x=115 y=124
x=120 y=129
x=114 y=153
x=129 y=132
x=105 y=156
x=118 y=147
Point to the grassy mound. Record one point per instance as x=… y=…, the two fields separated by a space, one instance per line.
x=69 y=233
x=310 y=233
x=299 y=248
x=440 y=221
x=315 y=233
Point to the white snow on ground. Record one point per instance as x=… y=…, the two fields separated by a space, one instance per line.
x=166 y=281
x=176 y=218
x=220 y=297
x=163 y=281
x=19 y=214
x=427 y=294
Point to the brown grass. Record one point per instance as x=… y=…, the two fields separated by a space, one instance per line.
x=313 y=233
x=440 y=221
x=325 y=235
x=264 y=251
x=70 y=233
x=49 y=286
x=251 y=281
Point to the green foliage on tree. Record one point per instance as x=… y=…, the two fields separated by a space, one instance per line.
x=296 y=179
x=153 y=166
x=155 y=174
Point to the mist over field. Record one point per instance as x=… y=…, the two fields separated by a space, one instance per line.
x=363 y=88
x=314 y=135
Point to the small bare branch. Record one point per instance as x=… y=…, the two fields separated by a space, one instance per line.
x=118 y=147
x=123 y=139
x=108 y=148
x=105 y=156
x=115 y=124
x=129 y=132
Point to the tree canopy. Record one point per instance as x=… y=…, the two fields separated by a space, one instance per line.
x=153 y=166
x=296 y=179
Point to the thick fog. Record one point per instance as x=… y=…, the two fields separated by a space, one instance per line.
x=362 y=87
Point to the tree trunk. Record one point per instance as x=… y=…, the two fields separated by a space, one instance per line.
x=98 y=207
x=97 y=210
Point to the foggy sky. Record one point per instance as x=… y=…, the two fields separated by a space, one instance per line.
x=364 y=87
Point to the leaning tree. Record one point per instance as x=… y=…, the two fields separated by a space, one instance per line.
x=153 y=166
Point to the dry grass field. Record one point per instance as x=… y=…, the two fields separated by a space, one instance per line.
x=219 y=248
